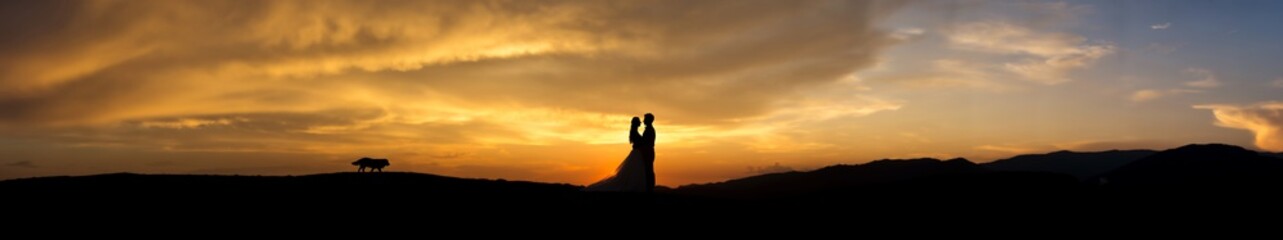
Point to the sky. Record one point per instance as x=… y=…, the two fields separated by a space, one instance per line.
x=544 y=90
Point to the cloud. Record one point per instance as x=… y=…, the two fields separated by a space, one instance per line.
x=905 y=34
x=791 y=130
x=467 y=80
x=1144 y=95
x=729 y=61
x=1105 y=145
x=21 y=164
x=1208 y=78
x=188 y=123
x=1055 y=12
x=1160 y=26
x=948 y=74
x=1277 y=83
x=1265 y=120
x=776 y=168
x=1010 y=149
x=1048 y=56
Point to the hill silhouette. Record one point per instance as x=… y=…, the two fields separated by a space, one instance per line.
x=1200 y=167
x=1082 y=165
x=390 y=186
x=832 y=177
x=369 y=190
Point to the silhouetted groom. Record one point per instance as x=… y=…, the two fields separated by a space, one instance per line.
x=647 y=149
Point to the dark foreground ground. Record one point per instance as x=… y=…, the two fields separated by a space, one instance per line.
x=1190 y=181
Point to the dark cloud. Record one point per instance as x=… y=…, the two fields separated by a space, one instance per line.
x=22 y=164
x=776 y=168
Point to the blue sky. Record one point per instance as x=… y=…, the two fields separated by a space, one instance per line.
x=1137 y=94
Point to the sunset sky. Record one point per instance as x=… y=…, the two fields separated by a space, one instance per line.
x=544 y=90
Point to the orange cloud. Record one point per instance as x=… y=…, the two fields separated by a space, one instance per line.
x=499 y=84
x=731 y=61
x=1144 y=95
x=1265 y=120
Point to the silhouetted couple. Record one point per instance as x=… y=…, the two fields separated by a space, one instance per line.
x=637 y=172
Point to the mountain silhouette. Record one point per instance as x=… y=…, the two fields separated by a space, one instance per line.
x=914 y=177
x=1083 y=165
x=837 y=176
x=1200 y=167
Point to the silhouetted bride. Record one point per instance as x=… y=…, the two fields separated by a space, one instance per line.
x=631 y=176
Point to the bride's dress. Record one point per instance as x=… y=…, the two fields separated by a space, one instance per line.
x=629 y=177
x=631 y=174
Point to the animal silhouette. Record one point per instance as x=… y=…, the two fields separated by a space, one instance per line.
x=373 y=164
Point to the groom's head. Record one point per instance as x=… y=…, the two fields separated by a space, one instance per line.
x=650 y=118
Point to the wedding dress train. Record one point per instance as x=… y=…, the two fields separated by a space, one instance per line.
x=629 y=177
